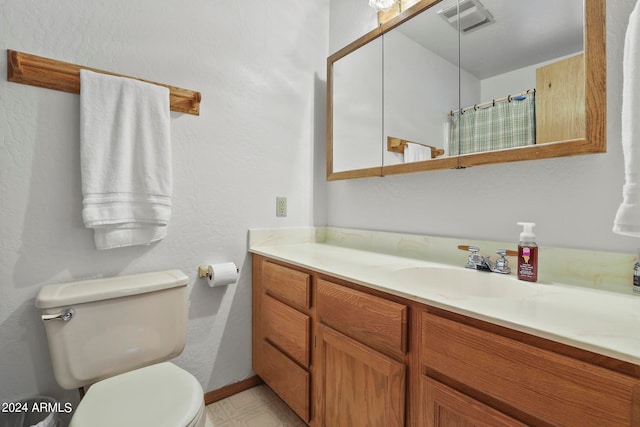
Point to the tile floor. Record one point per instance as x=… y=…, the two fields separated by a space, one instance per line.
x=256 y=407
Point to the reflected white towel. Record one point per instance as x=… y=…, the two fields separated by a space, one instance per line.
x=416 y=153
x=627 y=219
x=446 y=130
x=125 y=156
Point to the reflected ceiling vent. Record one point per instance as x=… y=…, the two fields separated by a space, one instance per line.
x=472 y=16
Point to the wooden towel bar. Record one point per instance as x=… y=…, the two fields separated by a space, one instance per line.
x=397 y=146
x=53 y=74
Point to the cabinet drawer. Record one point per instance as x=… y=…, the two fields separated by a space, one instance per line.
x=548 y=386
x=287 y=329
x=287 y=379
x=374 y=321
x=287 y=284
x=447 y=407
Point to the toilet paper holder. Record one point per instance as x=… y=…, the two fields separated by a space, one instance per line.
x=203 y=271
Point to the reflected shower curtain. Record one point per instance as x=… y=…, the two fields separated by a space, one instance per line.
x=506 y=124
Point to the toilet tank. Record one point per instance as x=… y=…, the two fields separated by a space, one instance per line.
x=118 y=324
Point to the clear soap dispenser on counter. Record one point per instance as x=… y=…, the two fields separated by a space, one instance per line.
x=527 y=253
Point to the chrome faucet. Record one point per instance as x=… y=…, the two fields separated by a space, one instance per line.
x=476 y=261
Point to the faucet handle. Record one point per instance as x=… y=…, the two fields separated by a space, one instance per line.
x=473 y=251
x=474 y=258
x=502 y=264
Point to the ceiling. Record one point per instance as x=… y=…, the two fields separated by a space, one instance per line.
x=525 y=32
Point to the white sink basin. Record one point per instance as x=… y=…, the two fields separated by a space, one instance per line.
x=460 y=282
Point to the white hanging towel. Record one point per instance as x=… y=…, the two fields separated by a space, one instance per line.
x=627 y=219
x=125 y=159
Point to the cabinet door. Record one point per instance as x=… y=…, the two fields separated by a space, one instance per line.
x=445 y=407
x=357 y=385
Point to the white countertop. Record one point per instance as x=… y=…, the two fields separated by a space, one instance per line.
x=603 y=322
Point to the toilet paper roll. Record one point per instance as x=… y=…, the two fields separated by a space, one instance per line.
x=222 y=274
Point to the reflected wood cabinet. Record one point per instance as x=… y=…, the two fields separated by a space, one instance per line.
x=340 y=354
x=560 y=113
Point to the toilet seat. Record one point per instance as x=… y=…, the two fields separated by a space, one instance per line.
x=161 y=395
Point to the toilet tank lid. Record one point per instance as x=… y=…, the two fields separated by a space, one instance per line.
x=64 y=294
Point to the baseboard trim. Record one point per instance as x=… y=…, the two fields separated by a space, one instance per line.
x=231 y=389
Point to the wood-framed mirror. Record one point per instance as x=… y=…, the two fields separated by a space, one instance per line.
x=368 y=133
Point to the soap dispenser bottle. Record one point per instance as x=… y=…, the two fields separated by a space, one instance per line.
x=527 y=253
x=636 y=275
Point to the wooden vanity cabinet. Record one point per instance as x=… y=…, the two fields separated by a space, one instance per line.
x=281 y=340
x=345 y=355
x=470 y=373
x=316 y=341
x=361 y=349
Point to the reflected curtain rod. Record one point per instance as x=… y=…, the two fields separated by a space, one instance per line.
x=493 y=102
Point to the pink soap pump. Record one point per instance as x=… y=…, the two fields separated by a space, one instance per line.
x=527 y=253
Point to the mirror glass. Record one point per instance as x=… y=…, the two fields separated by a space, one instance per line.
x=521 y=61
x=357 y=103
x=420 y=88
x=525 y=67
x=505 y=48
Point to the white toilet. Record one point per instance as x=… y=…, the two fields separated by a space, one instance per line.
x=114 y=335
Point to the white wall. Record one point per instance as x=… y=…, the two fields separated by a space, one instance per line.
x=573 y=200
x=512 y=82
x=260 y=67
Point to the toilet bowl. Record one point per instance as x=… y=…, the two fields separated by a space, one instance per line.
x=161 y=395
x=115 y=336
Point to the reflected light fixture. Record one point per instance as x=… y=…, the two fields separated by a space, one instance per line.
x=382 y=5
x=470 y=15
